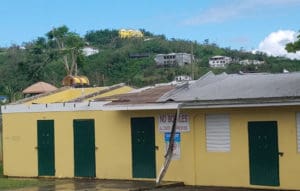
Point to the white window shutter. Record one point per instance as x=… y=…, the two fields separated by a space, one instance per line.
x=298 y=130
x=217 y=133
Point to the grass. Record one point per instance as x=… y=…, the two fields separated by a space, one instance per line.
x=14 y=183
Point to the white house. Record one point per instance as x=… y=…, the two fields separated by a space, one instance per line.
x=183 y=78
x=248 y=62
x=179 y=59
x=219 y=61
x=88 y=51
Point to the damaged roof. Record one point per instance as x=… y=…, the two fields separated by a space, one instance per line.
x=222 y=90
x=71 y=94
x=237 y=87
x=141 y=96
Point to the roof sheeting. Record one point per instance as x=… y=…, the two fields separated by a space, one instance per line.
x=39 y=87
x=147 y=95
x=117 y=91
x=71 y=94
x=210 y=91
x=238 y=86
x=105 y=92
x=65 y=95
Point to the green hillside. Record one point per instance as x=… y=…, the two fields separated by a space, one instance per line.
x=128 y=60
x=115 y=65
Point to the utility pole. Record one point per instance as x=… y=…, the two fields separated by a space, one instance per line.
x=192 y=61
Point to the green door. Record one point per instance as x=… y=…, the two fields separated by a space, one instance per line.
x=143 y=147
x=263 y=153
x=84 y=148
x=45 y=139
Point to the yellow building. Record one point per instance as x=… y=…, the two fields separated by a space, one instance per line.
x=233 y=130
x=123 y=33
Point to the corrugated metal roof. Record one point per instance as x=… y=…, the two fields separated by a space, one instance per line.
x=66 y=95
x=238 y=86
x=38 y=96
x=107 y=91
x=121 y=90
x=149 y=95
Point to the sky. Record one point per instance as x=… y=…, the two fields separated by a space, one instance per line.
x=251 y=25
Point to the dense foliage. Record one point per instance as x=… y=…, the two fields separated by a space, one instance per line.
x=59 y=53
x=294 y=46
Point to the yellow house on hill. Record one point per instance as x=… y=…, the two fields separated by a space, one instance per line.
x=123 y=33
x=238 y=130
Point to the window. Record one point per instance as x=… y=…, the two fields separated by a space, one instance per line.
x=298 y=130
x=217 y=133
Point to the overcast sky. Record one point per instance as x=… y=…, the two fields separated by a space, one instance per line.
x=264 y=25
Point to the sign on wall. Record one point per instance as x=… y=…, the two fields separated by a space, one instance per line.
x=176 y=146
x=165 y=122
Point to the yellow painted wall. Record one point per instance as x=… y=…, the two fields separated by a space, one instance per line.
x=19 y=153
x=113 y=139
x=184 y=167
x=232 y=168
x=1 y=139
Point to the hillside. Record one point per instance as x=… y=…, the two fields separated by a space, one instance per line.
x=117 y=60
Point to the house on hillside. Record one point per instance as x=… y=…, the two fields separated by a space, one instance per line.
x=237 y=130
x=173 y=59
x=3 y=98
x=249 y=62
x=183 y=78
x=219 y=61
x=130 y=33
x=88 y=51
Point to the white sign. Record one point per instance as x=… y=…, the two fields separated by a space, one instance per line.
x=165 y=122
x=176 y=145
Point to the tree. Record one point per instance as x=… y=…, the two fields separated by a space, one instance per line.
x=293 y=46
x=37 y=56
x=13 y=79
x=69 y=46
x=102 y=38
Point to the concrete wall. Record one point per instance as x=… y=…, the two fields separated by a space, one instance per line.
x=113 y=138
x=0 y=137
x=232 y=168
x=179 y=59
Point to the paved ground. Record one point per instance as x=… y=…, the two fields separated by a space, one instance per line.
x=120 y=185
x=204 y=188
x=95 y=185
